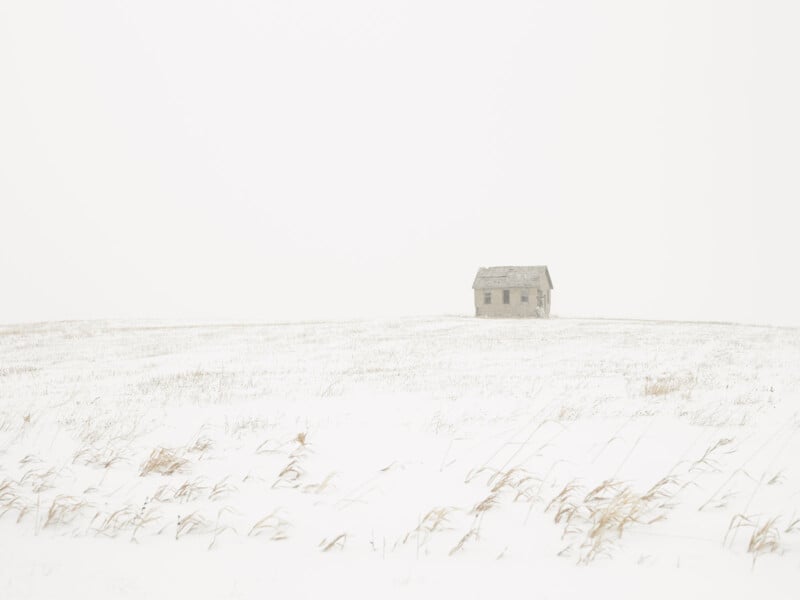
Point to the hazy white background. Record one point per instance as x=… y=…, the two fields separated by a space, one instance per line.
x=311 y=159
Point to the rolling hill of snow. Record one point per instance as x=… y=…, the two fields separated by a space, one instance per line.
x=447 y=456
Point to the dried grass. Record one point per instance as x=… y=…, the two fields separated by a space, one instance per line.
x=737 y=521
x=39 y=480
x=668 y=384
x=337 y=542
x=99 y=457
x=222 y=489
x=165 y=461
x=599 y=519
x=472 y=534
x=485 y=505
x=64 y=510
x=219 y=529
x=200 y=446
x=165 y=493
x=318 y=488
x=110 y=525
x=124 y=519
x=289 y=475
x=190 y=490
x=11 y=499
x=436 y=519
x=268 y=446
x=708 y=461
x=273 y=525
x=765 y=539
x=192 y=523
x=794 y=525
x=516 y=480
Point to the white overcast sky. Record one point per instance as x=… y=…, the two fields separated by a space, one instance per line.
x=312 y=159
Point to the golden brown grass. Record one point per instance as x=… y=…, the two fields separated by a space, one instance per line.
x=596 y=521
x=201 y=445
x=337 y=542
x=764 y=539
x=222 y=489
x=669 y=384
x=192 y=523
x=220 y=528
x=273 y=525
x=268 y=446
x=165 y=461
x=472 y=534
x=289 y=475
x=436 y=519
x=708 y=462
x=165 y=493
x=486 y=504
x=143 y=518
x=123 y=519
x=737 y=521
x=111 y=524
x=521 y=483
x=794 y=525
x=64 y=510
x=99 y=457
x=189 y=490
x=318 y=488
x=12 y=499
x=39 y=480
x=563 y=497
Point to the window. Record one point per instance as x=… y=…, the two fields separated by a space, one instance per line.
x=487 y=297
x=506 y=296
x=524 y=296
x=540 y=299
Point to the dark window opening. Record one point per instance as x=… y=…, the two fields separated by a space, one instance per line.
x=524 y=296
x=487 y=297
x=506 y=296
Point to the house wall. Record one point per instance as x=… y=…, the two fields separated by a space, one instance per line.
x=516 y=308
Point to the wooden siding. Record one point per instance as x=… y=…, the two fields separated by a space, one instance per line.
x=515 y=308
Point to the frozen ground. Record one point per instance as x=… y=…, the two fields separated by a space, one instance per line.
x=443 y=457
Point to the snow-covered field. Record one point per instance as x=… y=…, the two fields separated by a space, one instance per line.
x=440 y=457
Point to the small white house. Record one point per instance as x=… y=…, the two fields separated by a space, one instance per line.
x=512 y=292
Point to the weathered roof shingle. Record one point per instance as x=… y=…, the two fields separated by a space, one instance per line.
x=512 y=277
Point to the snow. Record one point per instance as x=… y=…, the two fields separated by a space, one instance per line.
x=420 y=457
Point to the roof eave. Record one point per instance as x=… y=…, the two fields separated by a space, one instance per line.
x=549 y=280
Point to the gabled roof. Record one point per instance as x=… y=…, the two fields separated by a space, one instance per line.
x=512 y=277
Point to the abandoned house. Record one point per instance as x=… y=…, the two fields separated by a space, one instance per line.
x=512 y=292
